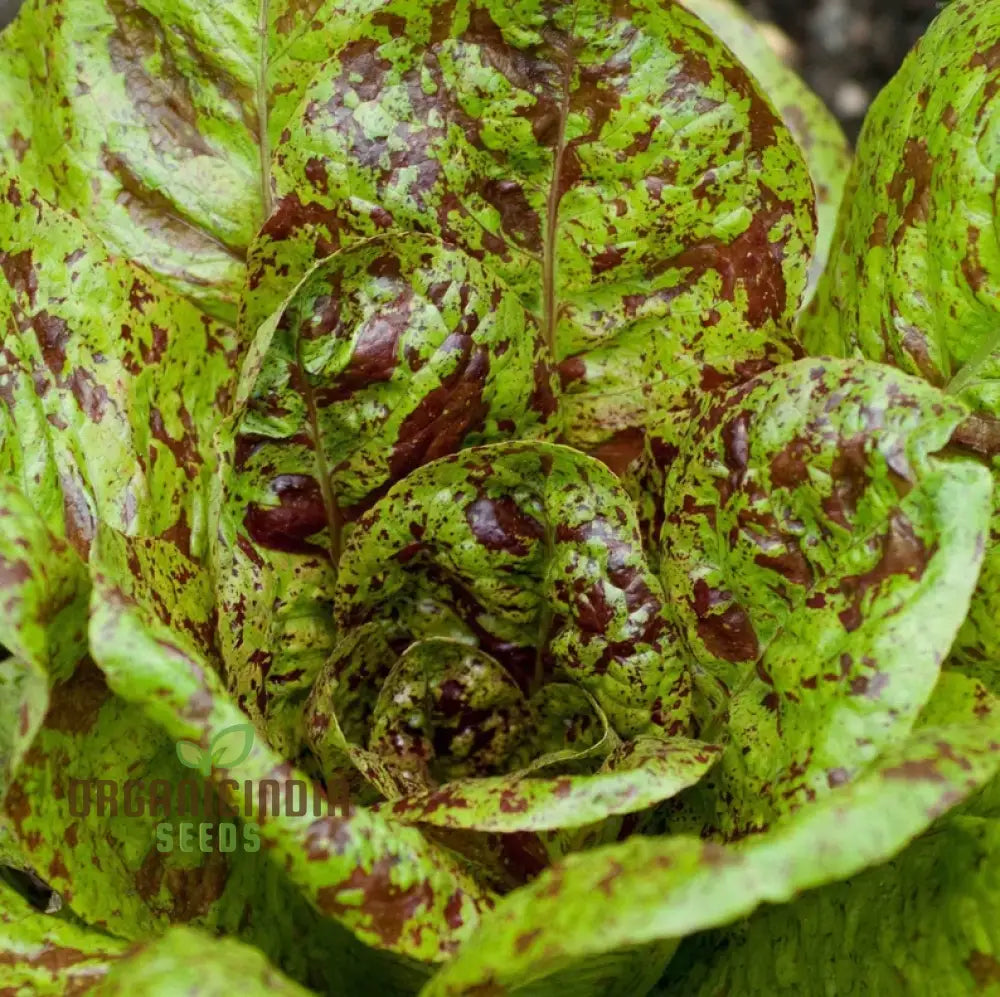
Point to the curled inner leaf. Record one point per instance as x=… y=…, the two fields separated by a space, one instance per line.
x=387 y=355
x=484 y=546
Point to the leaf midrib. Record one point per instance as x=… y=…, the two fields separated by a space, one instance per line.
x=264 y=143
x=550 y=297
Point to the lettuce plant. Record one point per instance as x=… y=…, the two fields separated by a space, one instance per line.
x=479 y=515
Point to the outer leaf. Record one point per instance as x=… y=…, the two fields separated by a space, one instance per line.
x=45 y=589
x=915 y=277
x=194 y=964
x=812 y=555
x=638 y=775
x=588 y=916
x=24 y=698
x=109 y=867
x=925 y=924
x=387 y=355
x=110 y=384
x=42 y=623
x=385 y=883
x=826 y=151
x=611 y=162
x=46 y=956
x=105 y=865
x=153 y=122
x=533 y=551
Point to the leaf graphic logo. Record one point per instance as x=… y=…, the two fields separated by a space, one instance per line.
x=229 y=747
x=194 y=757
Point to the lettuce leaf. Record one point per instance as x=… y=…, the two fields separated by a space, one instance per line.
x=615 y=166
x=914 y=278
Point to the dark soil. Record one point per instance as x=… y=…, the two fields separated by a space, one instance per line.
x=849 y=49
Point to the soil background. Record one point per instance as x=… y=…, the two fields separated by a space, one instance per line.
x=846 y=49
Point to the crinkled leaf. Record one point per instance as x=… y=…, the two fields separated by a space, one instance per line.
x=109 y=868
x=914 y=278
x=110 y=384
x=915 y=275
x=45 y=590
x=42 y=623
x=638 y=775
x=925 y=924
x=153 y=122
x=612 y=163
x=441 y=711
x=384 y=882
x=105 y=865
x=812 y=555
x=335 y=717
x=589 y=918
x=533 y=551
x=388 y=355
x=188 y=963
x=47 y=956
x=813 y=126
x=568 y=730
x=446 y=710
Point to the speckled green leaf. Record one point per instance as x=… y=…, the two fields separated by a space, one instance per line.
x=153 y=122
x=389 y=354
x=812 y=555
x=46 y=956
x=24 y=698
x=611 y=162
x=532 y=551
x=45 y=589
x=106 y=866
x=110 y=869
x=957 y=696
x=388 y=885
x=826 y=151
x=639 y=774
x=187 y=963
x=109 y=866
x=925 y=925
x=915 y=275
x=601 y=921
x=440 y=712
x=568 y=729
x=110 y=384
x=43 y=605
